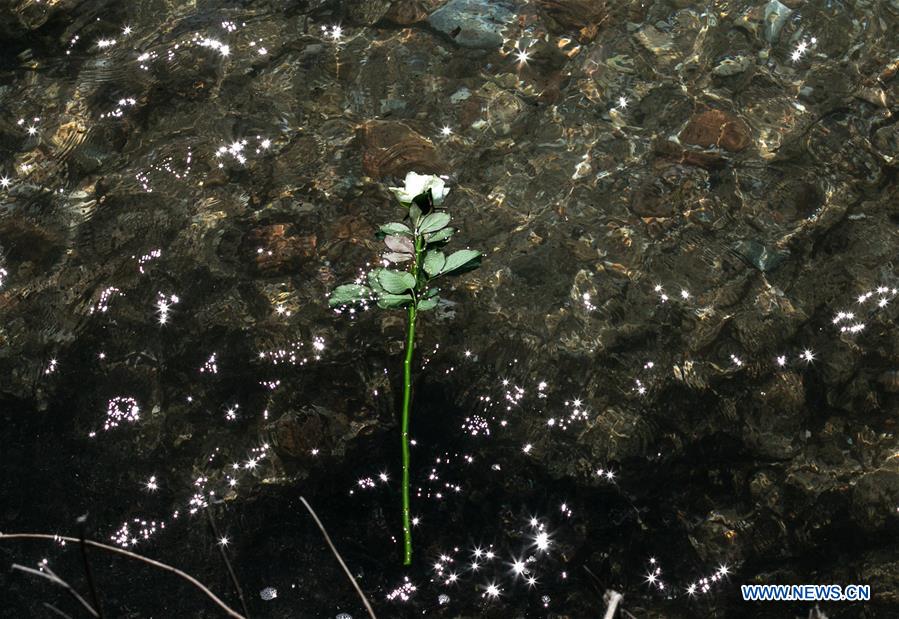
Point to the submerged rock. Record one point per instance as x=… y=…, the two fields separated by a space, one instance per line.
x=659 y=43
x=776 y=15
x=874 y=499
x=392 y=149
x=633 y=262
x=406 y=12
x=277 y=248
x=473 y=23
x=886 y=143
x=583 y=16
x=889 y=380
x=366 y=12
x=732 y=66
x=759 y=256
x=715 y=128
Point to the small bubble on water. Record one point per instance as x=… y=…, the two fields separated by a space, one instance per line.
x=268 y=594
x=545 y=599
x=443 y=599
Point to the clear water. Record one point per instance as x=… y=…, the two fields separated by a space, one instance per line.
x=674 y=373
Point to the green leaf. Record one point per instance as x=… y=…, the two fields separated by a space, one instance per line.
x=430 y=292
x=434 y=261
x=396 y=228
x=427 y=304
x=399 y=243
x=414 y=214
x=460 y=259
x=396 y=282
x=440 y=235
x=433 y=222
x=397 y=256
x=349 y=293
x=424 y=201
x=393 y=301
x=374 y=283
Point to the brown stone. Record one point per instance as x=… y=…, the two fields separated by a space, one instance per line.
x=390 y=149
x=715 y=128
x=29 y=241
x=889 y=380
x=551 y=90
x=351 y=228
x=704 y=159
x=296 y=435
x=406 y=12
x=68 y=136
x=366 y=12
x=584 y=16
x=277 y=249
x=650 y=200
x=471 y=111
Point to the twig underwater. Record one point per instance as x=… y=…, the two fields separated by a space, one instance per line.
x=231 y=574
x=82 y=530
x=612 y=599
x=53 y=609
x=327 y=537
x=126 y=553
x=418 y=245
x=48 y=574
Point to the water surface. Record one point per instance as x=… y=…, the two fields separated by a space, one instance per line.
x=674 y=373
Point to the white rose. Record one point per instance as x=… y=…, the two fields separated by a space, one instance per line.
x=417 y=184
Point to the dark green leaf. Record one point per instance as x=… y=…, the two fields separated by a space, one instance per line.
x=396 y=256
x=399 y=243
x=414 y=214
x=374 y=283
x=430 y=292
x=392 y=301
x=433 y=222
x=427 y=304
x=434 y=261
x=349 y=293
x=396 y=282
x=440 y=235
x=462 y=258
x=396 y=228
x=424 y=201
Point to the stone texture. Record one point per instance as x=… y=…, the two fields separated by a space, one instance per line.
x=716 y=128
x=407 y=12
x=278 y=249
x=582 y=16
x=390 y=149
x=473 y=23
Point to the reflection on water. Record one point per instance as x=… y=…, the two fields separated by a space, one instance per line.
x=675 y=372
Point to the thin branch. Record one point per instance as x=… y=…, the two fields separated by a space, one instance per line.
x=612 y=599
x=87 y=566
x=215 y=532
x=51 y=607
x=321 y=527
x=127 y=553
x=48 y=574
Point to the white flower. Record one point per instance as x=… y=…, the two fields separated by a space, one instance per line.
x=417 y=184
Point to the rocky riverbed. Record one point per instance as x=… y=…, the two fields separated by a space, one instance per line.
x=676 y=371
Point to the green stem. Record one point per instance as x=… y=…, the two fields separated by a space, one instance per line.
x=407 y=402
x=407 y=398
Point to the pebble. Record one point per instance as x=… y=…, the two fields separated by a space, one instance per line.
x=732 y=66
x=776 y=15
x=473 y=23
